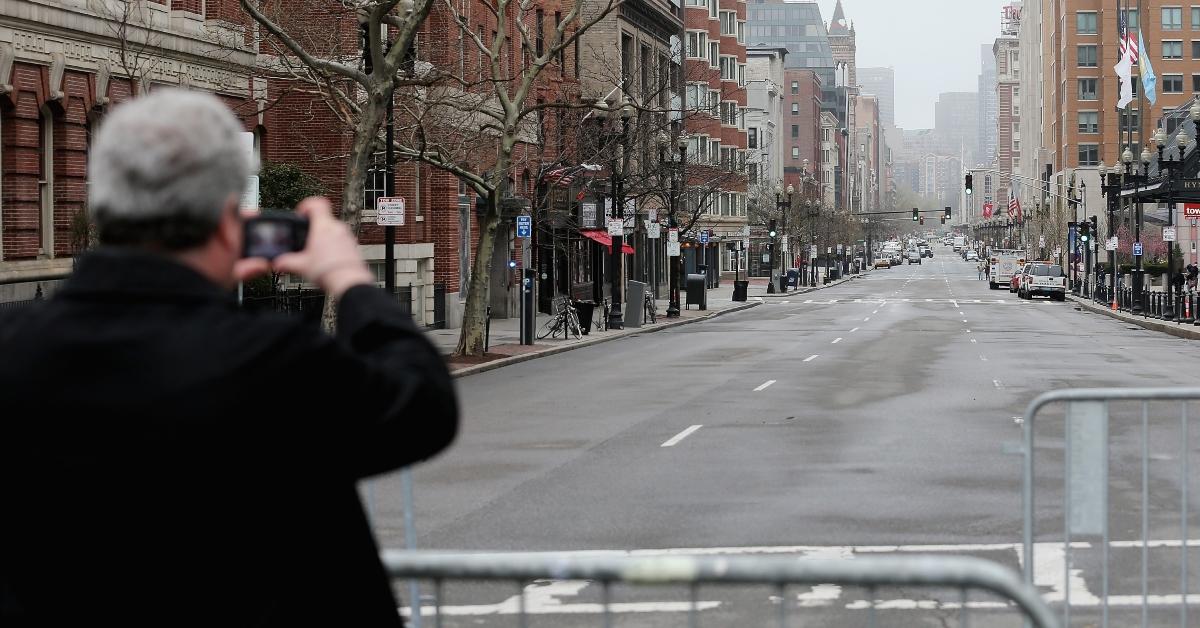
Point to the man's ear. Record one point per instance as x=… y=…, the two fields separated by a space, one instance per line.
x=229 y=229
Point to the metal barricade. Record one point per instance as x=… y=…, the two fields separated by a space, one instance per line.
x=577 y=570
x=1109 y=445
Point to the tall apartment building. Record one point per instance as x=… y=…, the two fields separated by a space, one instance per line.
x=766 y=130
x=956 y=120
x=1008 y=103
x=716 y=60
x=1032 y=94
x=988 y=107
x=881 y=83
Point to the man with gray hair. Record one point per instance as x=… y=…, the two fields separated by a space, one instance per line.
x=171 y=460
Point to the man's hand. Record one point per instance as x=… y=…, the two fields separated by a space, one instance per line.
x=330 y=257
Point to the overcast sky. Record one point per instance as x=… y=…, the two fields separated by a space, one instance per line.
x=932 y=44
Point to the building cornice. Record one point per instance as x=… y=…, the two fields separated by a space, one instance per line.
x=81 y=38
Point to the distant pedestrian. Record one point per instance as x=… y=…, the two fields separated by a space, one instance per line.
x=1178 y=281
x=979 y=271
x=198 y=460
x=1193 y=273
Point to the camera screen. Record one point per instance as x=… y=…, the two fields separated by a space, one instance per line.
x=269 y=239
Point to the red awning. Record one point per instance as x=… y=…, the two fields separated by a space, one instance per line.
x=601 y=236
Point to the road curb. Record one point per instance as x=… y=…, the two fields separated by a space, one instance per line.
x=1187 y=332
x=495 y=364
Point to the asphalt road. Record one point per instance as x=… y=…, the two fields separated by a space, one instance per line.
x=845 y=421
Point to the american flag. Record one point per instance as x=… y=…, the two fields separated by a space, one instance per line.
x=560 y=176
x=1014 y=206
x=1128 y=40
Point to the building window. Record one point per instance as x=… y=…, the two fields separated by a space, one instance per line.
x=1131 y=18
x=795 y=87
x=697 y=44
x=1172 y=18
x=795 y=152
x=1196 y=18
x=728 y=67
x=795 y=108
x=1196 y=49
x=795 y=130
x=712 y=9
x=1173 y=49
x=741 y=67
x=714 y=54
x=825 y=155
x=741 y=31
x=696 y=95
x=697 y=3
x=1086 y=56
x=1196 y=82
x=1089 y=154
x=1087 y=89
x=1089 y=122
x=714 y=102
x=1172 y=83
x=752 y=138
x=752 y=171
x=1016 y=101
x=714 y=151
x=1130 y=119
x=1085 y=22
x=728 y=23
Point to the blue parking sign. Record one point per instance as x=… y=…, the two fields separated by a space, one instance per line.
x=524 y=226
x=1137 y=248
x=704 y=236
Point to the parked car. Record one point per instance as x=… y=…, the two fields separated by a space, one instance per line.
x=883 y=262
x=914 y=256
x=971 y=255
x=1043 y=278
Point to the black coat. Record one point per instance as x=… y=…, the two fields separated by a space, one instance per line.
x=170 y=460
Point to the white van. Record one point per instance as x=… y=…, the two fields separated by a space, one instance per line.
x=1004 y=263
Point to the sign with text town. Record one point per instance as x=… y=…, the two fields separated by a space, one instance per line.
x=1191 y=210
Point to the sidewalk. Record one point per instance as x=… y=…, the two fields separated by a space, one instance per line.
x=1190 y=332
x=505 y=346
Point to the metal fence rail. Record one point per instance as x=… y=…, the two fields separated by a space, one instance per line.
x=962 y=573
x=1109 y=444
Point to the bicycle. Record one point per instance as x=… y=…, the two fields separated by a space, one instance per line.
x=602 y=315
x=566 y=320
x=650 y=308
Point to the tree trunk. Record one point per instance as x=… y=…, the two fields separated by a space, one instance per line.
x=471 y=337
x=353 y=197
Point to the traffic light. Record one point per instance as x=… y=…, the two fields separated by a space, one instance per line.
x=922 y=220
x=1095 y=227
x=1083 y=231
x=915 y=214
x=771 y=228
x=947 y=216
x=968 y=189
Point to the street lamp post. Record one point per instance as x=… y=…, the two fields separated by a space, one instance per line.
x=1138 y=277
x=782 y=206
x=1173 y=171
x=678 y=191
x=616 y=318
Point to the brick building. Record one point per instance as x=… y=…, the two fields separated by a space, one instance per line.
x=802 y=119
x=715 y=66
x=61 y=69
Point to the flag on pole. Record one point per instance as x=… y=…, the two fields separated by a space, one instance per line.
x=1128 y=42
x=1014 y=205
x=1124 y=67
x=1149 y=80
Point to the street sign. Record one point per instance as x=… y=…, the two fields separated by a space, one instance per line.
x=588 y=211
x=524 y=226
x=704 y=236
x=745 y=244
x=746 y=230
x=652 y=213
x=1168 y=234
x=672 y=249
x=673 y=236
x=653 y=230
x=1137 y=248
x=783 y=243
x=1191 y=210
x=1111 y=244
x=616 y=227
x=389 y=211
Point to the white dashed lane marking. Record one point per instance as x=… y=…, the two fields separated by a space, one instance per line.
x=764 y=385
x=812 y=357
x=680 y=436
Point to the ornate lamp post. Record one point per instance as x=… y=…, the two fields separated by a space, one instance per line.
x=616 y=318
x=782 y=206
x=678 y=191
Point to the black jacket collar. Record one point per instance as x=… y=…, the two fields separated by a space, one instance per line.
x=130 y=274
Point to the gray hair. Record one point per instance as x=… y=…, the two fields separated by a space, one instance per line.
x=163 y=167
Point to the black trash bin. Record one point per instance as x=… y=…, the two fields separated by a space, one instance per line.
x=697 y=294
x=585 y=309
x=739 y=289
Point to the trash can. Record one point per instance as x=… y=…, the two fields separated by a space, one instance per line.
x=739 y=289
x=635 y=312
x=696 y=292
x=585 y=309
